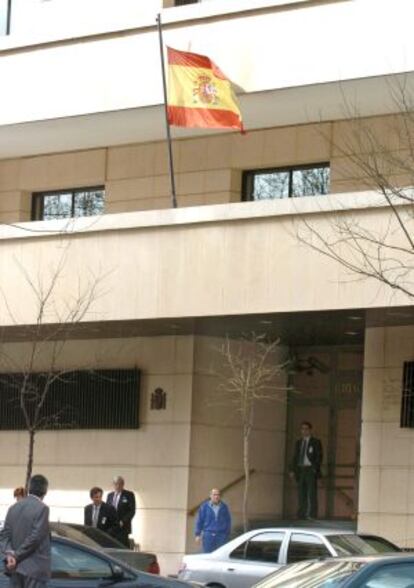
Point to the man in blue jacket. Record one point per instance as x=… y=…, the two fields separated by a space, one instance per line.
x=213 y=522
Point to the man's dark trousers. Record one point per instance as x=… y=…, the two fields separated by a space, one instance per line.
x=307 y=492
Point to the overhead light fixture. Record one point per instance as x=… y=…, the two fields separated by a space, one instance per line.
x=354 y=317
x=352 y=333
x=266 y=322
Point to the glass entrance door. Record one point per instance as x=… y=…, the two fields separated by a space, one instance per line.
x=327 y=387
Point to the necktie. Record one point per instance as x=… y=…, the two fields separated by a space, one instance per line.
x=116 y=499
x=303 y=452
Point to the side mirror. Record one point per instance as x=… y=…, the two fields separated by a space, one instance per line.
x=118 y=573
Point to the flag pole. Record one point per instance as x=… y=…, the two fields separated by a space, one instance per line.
x=167 y=124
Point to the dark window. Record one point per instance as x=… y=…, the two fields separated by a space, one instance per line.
x=99 y=399
x=68 y=203
x=263 y=547
x=306 y=546
x=5 y=14
x=183 y=2
x=69 y=562
x=407 y=405
x=293 y=182
x=399 y=575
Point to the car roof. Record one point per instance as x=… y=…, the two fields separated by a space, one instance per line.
x=319 y=530
x=392 y=556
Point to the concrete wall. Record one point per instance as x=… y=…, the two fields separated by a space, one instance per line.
x=63 y=73
x=153 y=459
x=216 y=453
x=208 y=170
x=386 y=485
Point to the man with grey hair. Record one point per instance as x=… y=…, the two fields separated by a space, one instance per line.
x=25 y=538
x=123 y=502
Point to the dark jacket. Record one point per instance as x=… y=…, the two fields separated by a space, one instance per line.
x=314 y=454
x=207 y=522
x=26 y=535
x=107 y=518
x=126 y=508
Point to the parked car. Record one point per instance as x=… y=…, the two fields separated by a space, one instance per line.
x=91 y=537
x=387 y=571
x=78 y=566
x=247 y=559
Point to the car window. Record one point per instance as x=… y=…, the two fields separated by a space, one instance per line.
x=101 y=538
x=304 y=546
x=349 y=544
x=70 y=562
x=395 y=575
x=73 y=534
x=263 y=547
x=240 y=551
x=380 y=544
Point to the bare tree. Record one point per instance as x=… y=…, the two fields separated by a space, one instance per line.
x=380 y=152
x=32 y=376
x=250 y=374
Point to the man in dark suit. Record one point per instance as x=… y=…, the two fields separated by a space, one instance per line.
x=124 y=503
x=25 y=538
x=99 y=514
x=306 y=469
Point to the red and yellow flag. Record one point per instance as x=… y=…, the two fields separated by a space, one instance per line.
x=199 y=94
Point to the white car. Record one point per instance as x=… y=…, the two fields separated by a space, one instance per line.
x=247 y=559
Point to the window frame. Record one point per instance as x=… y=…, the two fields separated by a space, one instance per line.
x=253 y=538
x=319 y=540
x=249 y=175
x=37 y=211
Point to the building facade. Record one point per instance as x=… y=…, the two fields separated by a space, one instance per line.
x=85 y=206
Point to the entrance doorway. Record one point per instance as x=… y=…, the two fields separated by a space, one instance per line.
x=327 y=390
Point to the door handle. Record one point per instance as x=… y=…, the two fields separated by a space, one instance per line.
x=230 y=569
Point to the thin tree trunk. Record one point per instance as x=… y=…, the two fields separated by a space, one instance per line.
x=29 y=470
x=246 y=466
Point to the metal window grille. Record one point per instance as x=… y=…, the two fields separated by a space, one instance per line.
x=99 y=399
x=407 y=405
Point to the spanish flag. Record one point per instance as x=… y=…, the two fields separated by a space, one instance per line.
x=199 y=94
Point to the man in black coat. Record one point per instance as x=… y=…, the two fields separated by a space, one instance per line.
x=124 y=503
x=99 y=514
x=306 y=469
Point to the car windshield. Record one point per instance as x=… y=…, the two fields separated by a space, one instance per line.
x=317 y=574
x=86 y=535
x=355 y=545
x=66 y=531
x=100 y=537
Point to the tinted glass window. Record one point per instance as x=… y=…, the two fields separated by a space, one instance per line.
x=69 y=562
x=303 y=546
x=286 y=183
x=240 y=551
x=395 y=576
x=380 y=544
x=264 y=547
x=356 y=545
x=68 y=203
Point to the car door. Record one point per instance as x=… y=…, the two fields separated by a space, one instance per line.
x=74 y=567
x=303 y=546
x=252 y=560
